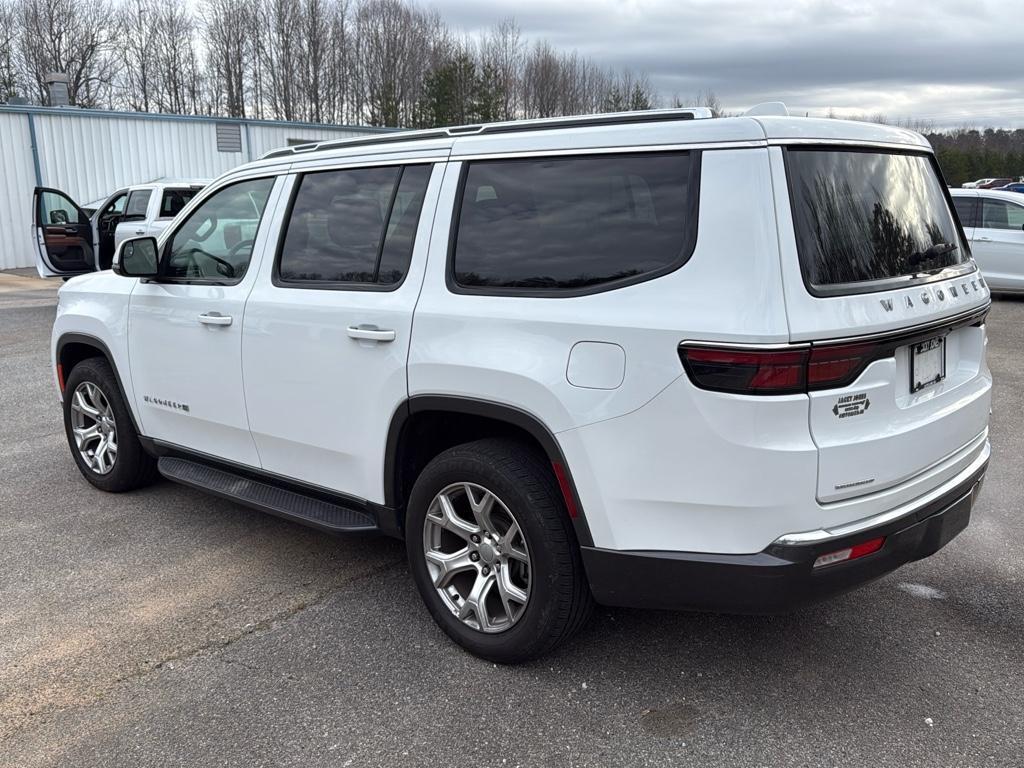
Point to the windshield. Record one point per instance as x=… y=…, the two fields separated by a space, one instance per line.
x=864 y=217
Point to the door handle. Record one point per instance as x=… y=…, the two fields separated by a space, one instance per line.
x=214 y=318
x=983 y=239
x=140 y=231
x=370 y=333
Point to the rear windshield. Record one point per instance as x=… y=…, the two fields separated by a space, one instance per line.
x=866 y=217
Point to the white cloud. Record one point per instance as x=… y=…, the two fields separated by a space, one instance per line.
x=948 y=61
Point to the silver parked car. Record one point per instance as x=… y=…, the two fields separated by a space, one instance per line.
x=993 y=221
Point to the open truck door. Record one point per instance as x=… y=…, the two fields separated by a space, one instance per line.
x=65 y=239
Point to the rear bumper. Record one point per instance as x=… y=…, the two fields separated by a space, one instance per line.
x=782 y=577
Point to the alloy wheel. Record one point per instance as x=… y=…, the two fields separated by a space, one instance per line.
x=477 y=557
x=94 y=427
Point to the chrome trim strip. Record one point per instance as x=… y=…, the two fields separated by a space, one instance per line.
x=978 y=312
x=904 y=510
x=464 y=153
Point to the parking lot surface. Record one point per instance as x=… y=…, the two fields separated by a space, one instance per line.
x=169 y=628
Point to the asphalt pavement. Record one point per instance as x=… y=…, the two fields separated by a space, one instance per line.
x=169 y=628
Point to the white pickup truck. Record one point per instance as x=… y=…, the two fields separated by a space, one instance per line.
x=73 y=239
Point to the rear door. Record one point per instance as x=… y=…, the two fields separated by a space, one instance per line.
x=134 y=221
x=66 y=242
x=880 y=286
x=327 y=327
x=999 y=243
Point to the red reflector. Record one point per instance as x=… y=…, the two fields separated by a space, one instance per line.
x=850 y=553
x=60 y=376
x=563 y=484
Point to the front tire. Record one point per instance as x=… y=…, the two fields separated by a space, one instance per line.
x=493 y=552
x=100 y=430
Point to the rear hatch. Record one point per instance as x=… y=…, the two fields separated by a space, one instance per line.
x=880 y=284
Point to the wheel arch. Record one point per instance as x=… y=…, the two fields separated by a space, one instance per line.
x=74 y=348
x=401 y=458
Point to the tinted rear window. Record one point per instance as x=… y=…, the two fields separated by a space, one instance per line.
x=574 y=223
x=863 y=217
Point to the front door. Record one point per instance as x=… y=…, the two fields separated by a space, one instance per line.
x=186 y=326
x=326 y=340
x=998 y=244
x=65 y=240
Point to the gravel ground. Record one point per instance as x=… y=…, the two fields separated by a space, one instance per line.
x=168 y=628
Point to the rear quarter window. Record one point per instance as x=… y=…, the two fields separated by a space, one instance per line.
x=865 y=220
x=571 y=225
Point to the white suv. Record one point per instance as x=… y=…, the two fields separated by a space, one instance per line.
x=650 y=359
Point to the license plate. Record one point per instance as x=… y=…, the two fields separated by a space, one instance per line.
x=927 y=363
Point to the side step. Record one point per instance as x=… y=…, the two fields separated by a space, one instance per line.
x=309 y=510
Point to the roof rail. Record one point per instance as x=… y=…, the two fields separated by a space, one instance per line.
x=512 y=126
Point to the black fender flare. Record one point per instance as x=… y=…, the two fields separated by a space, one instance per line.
x=503 y=412
x=97 y=344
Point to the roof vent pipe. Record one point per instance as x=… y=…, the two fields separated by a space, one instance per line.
x=58 y=94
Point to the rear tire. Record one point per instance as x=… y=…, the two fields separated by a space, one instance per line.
x=530 y=550
x=100 y=431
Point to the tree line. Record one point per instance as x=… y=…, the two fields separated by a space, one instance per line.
x=372 y=62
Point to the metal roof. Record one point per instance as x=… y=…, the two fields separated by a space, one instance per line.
x=113 y=114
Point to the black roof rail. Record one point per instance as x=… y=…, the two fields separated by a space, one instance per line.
x=514 y=126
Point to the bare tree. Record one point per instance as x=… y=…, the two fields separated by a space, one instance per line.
x=175 y=66
x=137 y=23
x=392 y=40
x=501 y=53
x=227 y=27
x=73 y=37
x=9 y=76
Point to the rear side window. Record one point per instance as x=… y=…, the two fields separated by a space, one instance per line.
x=999 y=214
x=965 y=209
x=138 y=202
x=565 y=225
x=865 y=219
x=174 y=200
x=353 y=226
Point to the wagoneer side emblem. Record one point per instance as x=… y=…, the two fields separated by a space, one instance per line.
x=886 y=304
x=925 y=297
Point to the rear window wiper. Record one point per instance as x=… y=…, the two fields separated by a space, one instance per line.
x=931 y=252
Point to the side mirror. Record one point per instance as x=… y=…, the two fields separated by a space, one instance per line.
x=137 y=257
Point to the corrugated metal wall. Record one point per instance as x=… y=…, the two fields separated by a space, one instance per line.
x=17 y=177
x=90 y=153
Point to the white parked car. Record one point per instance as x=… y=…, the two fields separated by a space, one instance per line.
x=993 y=221
x=74 y=240
x=649 y=359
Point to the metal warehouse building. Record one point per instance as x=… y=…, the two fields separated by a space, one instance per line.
x=90 y=153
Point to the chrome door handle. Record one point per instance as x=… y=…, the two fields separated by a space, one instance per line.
x=140 y=231
x=370 y=333
x=214 y=318
x=983 y=239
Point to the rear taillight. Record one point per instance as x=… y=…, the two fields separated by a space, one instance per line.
x=746 y=371
x=840 y=365
x=752 y=371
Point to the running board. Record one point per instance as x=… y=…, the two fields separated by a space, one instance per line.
x=325 y=515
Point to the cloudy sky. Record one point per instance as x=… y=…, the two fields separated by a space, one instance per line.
x=952 y=62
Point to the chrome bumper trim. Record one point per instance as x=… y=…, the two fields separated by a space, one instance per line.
x=904 y=510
